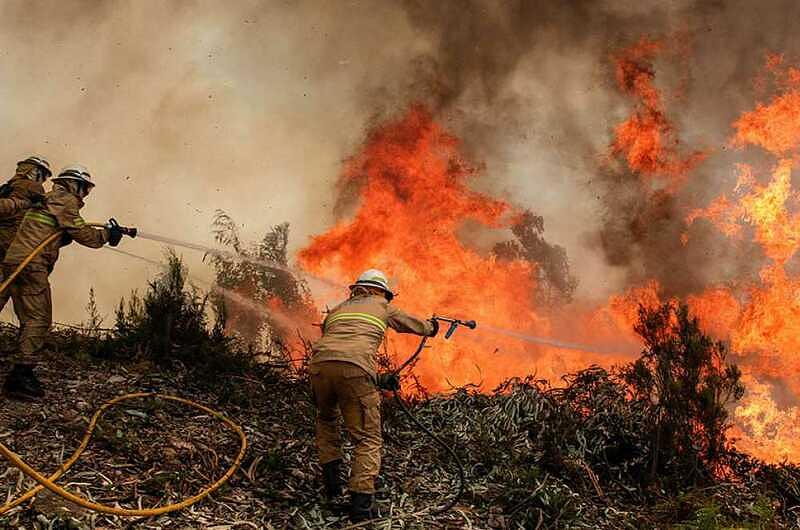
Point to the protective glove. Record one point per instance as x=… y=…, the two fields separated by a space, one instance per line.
x=435 y=324
x=114 y=234
x=389 y=381
x=36 y=198
x=116 y=231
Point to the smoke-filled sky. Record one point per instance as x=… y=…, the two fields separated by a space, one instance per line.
x=179 y=108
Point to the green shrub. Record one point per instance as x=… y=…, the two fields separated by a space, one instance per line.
x=170 y=323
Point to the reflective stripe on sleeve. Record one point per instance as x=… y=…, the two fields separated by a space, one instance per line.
x=364 y=317
x=41 y=217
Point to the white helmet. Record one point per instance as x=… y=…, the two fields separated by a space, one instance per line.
x=374 y=278
x=40 y=162
x=77 y=173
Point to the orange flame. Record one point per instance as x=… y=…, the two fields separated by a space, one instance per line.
x=764 y=429
x=647 y=139
x=765 y=329
x=414 y=199
x=415 y=196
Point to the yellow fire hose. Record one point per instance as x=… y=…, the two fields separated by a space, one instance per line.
x=49 y=482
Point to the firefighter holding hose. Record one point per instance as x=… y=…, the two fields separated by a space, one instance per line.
x=19 y=194
x=343 y=381
x=30 y=291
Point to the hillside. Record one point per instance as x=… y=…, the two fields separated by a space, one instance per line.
x=531 y=460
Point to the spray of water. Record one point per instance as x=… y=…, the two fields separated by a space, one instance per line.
x=233 y=255
x=246 y=302
x=237 y=298
x=546 y=341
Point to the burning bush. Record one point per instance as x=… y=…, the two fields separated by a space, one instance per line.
x=684 y=385
x=610 y=449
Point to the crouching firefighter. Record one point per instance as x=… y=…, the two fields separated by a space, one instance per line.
x=30 y=291
x=16 y=196
x=343 y=381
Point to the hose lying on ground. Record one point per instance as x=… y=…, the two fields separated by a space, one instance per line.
x=49 y=482
x=459 y=465
x=449 y=449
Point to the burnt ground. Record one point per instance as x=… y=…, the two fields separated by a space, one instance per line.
x=531 y=460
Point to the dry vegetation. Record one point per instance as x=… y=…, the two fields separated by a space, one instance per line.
x=638 y=447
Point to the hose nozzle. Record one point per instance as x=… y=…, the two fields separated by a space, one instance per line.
x=454 y=323
x=126 y=230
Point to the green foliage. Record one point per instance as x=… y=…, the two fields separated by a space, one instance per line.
x=94 y=320
x=170 y=323
x=763 y=512
x=259 y=272
x=757 y=515
x=684 y=385
x=705 y=518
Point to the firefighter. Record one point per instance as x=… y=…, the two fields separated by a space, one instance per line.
x=343 y=381
x=24 y=188
x=30 y=291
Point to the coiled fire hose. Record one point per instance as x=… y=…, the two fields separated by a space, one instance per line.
x=49 y=482
x=444 y=445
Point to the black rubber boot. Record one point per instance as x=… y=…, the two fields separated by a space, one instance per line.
x=22 y=383
x=332 y=478
x=363 y=507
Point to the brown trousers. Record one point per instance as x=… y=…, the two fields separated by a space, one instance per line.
x=346 y=390
x=33 y=305
x=6 y=237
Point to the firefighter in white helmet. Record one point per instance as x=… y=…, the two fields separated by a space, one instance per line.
x=30 y=292
x=16 y=197
x=343 y=381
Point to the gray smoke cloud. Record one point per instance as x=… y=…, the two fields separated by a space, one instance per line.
x=180 y=108
x=530 y=87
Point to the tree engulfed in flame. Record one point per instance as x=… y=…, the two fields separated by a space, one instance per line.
x=416 y=216
x=766 y=330
x=761 y=320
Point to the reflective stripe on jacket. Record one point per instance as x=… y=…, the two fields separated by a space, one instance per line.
x=353 y=330
x=60 y=213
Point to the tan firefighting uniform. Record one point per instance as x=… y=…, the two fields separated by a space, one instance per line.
x=30 y=292
x=22 y=189
x=12 y=206
x=343 y=381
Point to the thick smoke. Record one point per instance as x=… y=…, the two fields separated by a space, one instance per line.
x=530 y=87
x=180 y=108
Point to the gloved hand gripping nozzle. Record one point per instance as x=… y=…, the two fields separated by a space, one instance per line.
x=116 y=231
x=454 y=323
x=387 y=383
